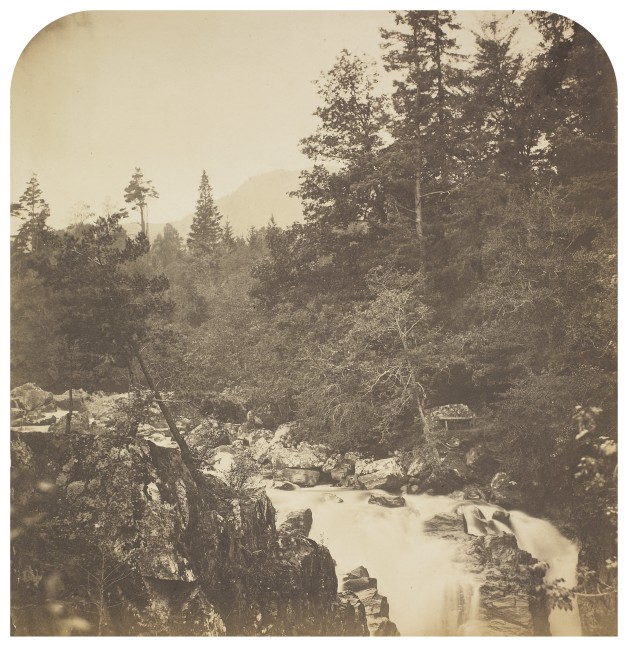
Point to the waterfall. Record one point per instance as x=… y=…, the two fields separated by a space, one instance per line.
x=430 y=591
x=547 y=544
x=408 y=564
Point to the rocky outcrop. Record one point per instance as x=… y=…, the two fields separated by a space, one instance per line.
x=30 y=397
x=304 y=478
x=113 y=536
x=384 y=474
x=297 y=522
x=511 y=601
x=364 y=587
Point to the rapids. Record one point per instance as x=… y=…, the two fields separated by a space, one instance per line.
x=419 y=573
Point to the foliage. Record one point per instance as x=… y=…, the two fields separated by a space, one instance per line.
x=137 y=193
x=205 y=232
x=243 y=470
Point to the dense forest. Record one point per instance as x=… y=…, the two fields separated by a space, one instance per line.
x=459 y=245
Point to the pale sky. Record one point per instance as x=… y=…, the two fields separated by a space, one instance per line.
x=97 y=93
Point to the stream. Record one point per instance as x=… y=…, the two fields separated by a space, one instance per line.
x=420 y=574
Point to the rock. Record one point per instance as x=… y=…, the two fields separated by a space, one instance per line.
x=360 y=583
x=207 y=437
x=79 y=424
x=473 y=492
x=419 y=469
x=333 y=498
x=353 y=615
x=387 y=501
x=298 y=522
x=360 y=571
x=504 y=491
x=382 y=627
x=302 y=457
x=285 y=485
x=384 y=474
x=444 y=480
x=30 y=397
x=502 y=516
x=304 y=478
x=340 y=472
x=376 y=606
x=283 y=436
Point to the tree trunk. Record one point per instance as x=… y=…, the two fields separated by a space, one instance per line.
x=418 y=203
x=68 y=417
x=426 y=429
x=186 y=454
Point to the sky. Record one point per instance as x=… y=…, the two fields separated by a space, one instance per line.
x=96 y=94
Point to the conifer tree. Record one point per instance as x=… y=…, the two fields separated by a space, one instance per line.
x=228 y=238
x=426 y=101
x=205 y=232
x=137 y=193
x=33 y=211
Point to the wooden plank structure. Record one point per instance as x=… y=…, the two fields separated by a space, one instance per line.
x=457 y=422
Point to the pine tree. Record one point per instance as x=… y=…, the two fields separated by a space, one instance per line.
x=33 y=211
x=501 y=134
x=350 y=134
x=427 y=101
x=205 y=232
x=137 y=193
x=228 y=238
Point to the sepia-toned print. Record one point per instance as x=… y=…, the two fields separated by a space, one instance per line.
x=314 y=325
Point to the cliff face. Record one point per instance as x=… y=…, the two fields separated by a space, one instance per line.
x=112 y=536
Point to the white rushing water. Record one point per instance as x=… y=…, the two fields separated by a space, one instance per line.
x=429 y=591
x=547 y=544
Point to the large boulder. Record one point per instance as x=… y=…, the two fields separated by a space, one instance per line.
x=30 y=397
x=359 y=582
x=297 y=522
x=301 y=457
x=206 y=437
x=304 y=478
x=384 y=474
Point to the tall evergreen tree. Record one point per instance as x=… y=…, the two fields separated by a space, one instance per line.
x=205 y=232
x=228 y=238
x=343 y=187
x=137 y=193
x=33 y=211
x=427 y=100
x=502 y=134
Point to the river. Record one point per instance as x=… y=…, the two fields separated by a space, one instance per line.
x=421 y=574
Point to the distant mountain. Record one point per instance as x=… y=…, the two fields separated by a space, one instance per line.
x=253 y=203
